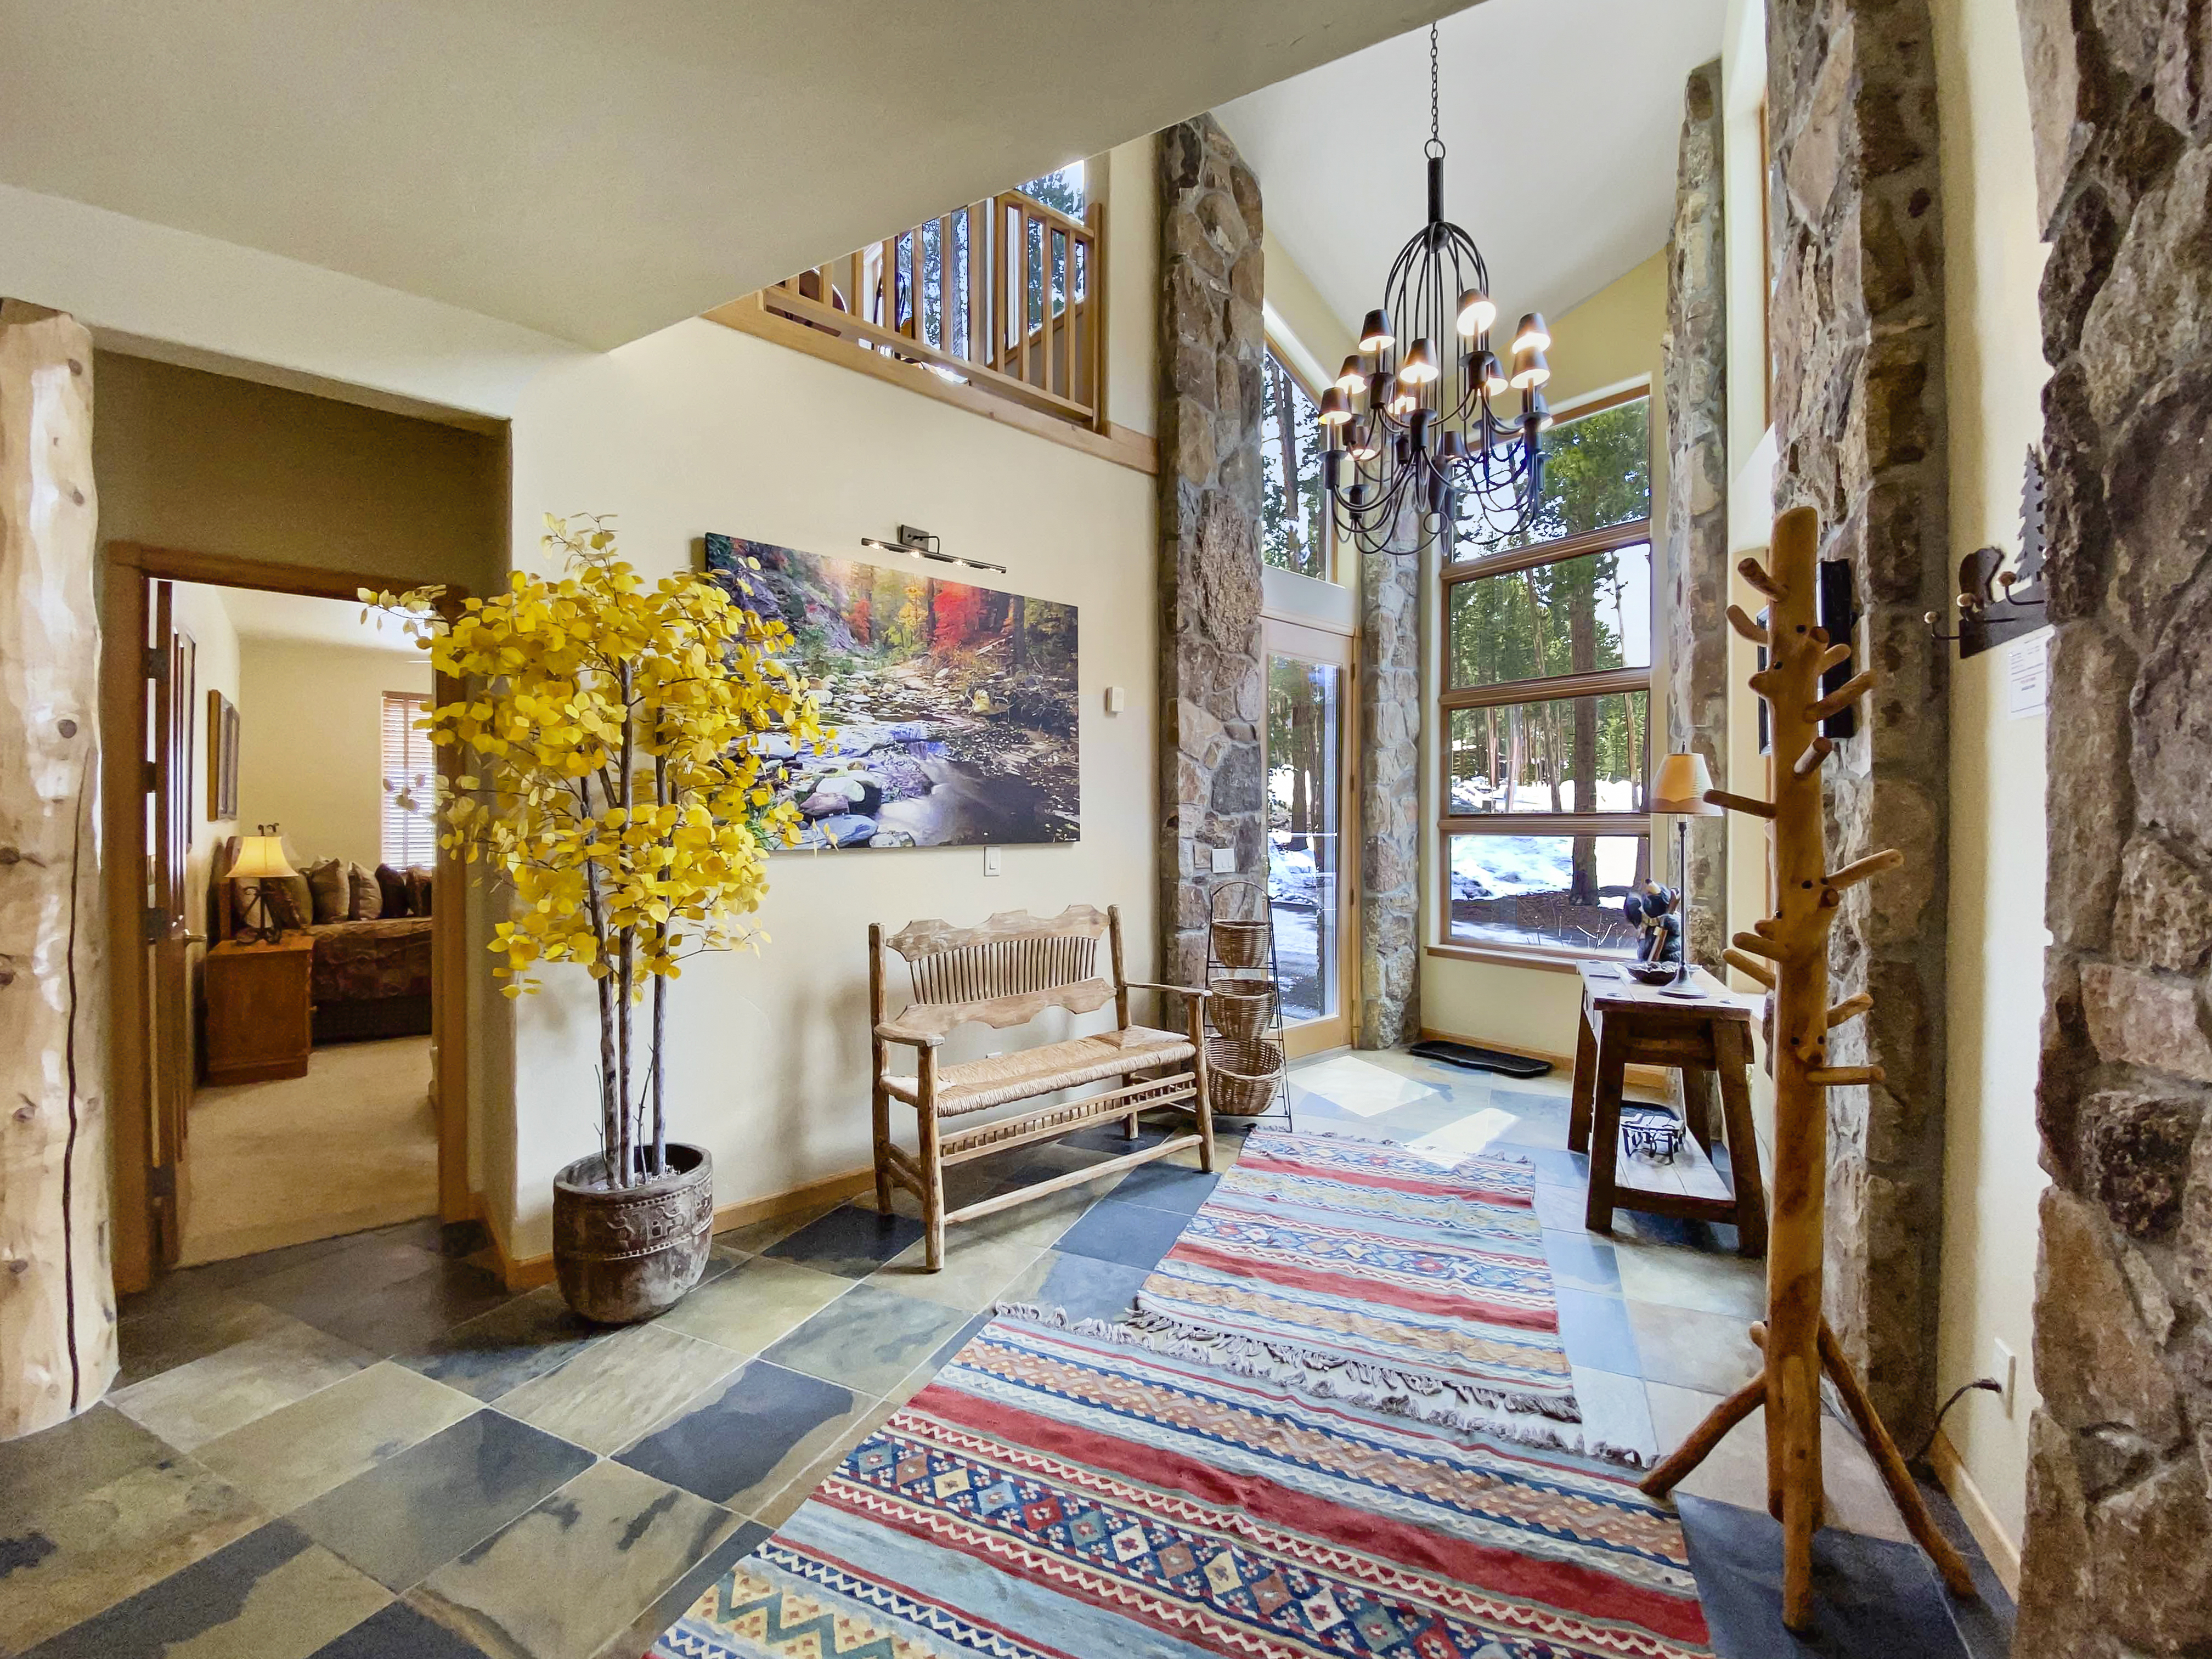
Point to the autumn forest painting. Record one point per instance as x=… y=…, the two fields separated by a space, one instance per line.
x=955 y=707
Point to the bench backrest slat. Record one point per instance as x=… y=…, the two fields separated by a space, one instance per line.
x=1005 y=972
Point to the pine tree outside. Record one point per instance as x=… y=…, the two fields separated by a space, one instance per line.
x=1577 y=626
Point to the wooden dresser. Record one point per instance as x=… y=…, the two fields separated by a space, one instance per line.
x=258 y=1012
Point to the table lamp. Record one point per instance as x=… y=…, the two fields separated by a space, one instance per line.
x=1680 y=789
x=261 y=856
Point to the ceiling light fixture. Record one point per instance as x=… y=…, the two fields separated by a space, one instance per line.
x=1434 y=435
x=920 y=545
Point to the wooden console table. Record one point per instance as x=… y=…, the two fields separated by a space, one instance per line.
x=1625 y=1023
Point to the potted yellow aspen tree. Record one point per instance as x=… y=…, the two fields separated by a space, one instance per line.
x=609 y=734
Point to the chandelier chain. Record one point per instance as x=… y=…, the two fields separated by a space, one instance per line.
x=1436 y=144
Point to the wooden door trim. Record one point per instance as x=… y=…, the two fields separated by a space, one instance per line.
x=1305 y=642
x=126 y=570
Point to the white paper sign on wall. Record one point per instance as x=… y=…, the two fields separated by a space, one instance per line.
x=2028 y=676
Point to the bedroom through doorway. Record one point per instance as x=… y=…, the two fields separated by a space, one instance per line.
x=292 y=843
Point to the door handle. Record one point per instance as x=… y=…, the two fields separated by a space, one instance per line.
x=194 y=938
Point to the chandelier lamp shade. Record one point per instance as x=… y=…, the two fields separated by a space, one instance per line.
x=1428 y=419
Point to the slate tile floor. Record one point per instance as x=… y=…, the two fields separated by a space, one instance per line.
x=364 y=1447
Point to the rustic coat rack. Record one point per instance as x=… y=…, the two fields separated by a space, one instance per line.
x=1788 y=953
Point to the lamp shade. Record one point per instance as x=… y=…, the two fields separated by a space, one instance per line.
x=1680 y=788
x=261 y=855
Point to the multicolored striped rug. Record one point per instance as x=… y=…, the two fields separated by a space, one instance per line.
x=1360 y=1271
x=1056 y=1494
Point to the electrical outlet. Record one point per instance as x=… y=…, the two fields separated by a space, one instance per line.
x=1224 y=860
x=990 y=861
x=2004 y=1365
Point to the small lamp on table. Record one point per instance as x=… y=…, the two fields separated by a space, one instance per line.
x=1680 y=789
x=261 y=858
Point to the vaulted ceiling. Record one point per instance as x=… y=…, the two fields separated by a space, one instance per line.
x=595 y=171
x=1561 y=119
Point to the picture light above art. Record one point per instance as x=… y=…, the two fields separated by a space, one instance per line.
x=954 y=709
x=920 y=545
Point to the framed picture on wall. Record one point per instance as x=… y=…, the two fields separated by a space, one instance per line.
x=223 y=757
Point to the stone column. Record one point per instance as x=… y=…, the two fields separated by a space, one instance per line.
x=1856 y=219
x=1212 y=684
x=57 y=1300
x=1389 y=1007
x=1697 y=690
x=2116 y=1559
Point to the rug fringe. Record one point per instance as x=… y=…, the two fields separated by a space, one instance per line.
x=1531 y=1419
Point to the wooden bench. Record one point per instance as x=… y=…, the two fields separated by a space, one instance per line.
x=1007 y=972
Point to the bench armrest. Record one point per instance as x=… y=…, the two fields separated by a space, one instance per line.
x=1198 y=991
x=891 y=1031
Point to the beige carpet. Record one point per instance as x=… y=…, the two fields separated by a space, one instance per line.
x=352 y=1145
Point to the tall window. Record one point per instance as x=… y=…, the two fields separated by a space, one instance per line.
x=1293 y=511
x=409 y=823
x=1546 y=707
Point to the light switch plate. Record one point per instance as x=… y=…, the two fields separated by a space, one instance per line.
x=1224 y=860
x=990 y=861
x=1116 y=699
x=2004 y=1365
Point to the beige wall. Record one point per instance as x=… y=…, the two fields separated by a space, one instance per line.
x=1610 y=341
x=1993 y=262
x=212 y=464
x=698 y=428
x=310 y=742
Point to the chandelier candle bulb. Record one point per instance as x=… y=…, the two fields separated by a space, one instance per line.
x=1532 y=334
x=1375 y=333
x=1419 y=367
x=1352 y=378
x=1476 y=312
x=1529 y=369
x=1334 y=409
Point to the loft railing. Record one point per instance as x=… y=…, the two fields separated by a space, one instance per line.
x=1005 y=294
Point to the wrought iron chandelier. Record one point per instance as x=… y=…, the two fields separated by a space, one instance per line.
x=1417 y=418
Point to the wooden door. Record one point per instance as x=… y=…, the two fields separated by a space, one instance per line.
x=169 y=937
x=1313 y=866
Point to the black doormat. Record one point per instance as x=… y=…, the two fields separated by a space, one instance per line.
x=1480 y=1060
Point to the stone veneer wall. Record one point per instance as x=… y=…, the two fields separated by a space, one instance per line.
x=2118 y=1556
x=1856 y=333
x=1213 y=685
x=1390 y=1007
x=1696 y=689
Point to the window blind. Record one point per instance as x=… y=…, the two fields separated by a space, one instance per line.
x=410 y=775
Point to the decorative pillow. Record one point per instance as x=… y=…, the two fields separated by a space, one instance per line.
x=332 y=894
x=303 y=897
x=393 y=887
x=286 y=902
x=368 y=895
x=419 y=890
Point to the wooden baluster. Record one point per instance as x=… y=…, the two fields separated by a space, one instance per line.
x=979 y=311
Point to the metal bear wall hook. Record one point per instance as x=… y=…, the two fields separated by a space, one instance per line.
x=1998 y=602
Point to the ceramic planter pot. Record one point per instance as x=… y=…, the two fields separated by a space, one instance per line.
x=626 y=1253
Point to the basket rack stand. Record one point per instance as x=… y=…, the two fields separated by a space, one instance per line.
x=1253 y=896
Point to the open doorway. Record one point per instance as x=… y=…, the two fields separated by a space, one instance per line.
x=310 y=893
x=293 y=989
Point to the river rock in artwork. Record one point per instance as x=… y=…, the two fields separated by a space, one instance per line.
x=952 y=710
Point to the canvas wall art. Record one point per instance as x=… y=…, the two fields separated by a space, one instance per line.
x=955 y=707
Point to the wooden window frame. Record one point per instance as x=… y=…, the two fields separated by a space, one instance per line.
x=1328 y=551
x=1545 y=688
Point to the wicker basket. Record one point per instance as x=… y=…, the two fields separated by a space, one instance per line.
x=1241 y=943
x=1241 y=1076
x=1242 y=1008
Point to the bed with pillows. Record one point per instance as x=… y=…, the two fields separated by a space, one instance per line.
x=372 y=933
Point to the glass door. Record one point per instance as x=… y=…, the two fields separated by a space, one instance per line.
x=1312 y=874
